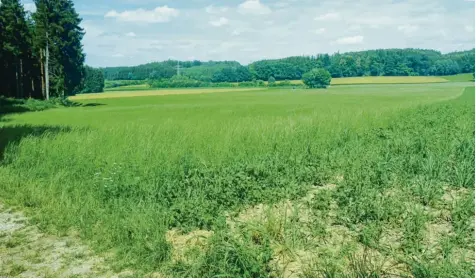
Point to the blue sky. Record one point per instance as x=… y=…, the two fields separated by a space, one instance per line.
x=132 y=32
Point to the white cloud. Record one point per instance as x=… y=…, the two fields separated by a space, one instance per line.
x=220 y=22
x=320 y=31
x=350 y=40
x=131 y=34
x=407 y=28
x=216 y=10
x=159 y=14
x=30 y=7
x=281 y=5
x=253 y=7
x=117 y=55
x=444 y=25
x=328 y=17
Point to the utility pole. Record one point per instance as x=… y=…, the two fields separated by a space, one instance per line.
x=178 y=68
x=47 y=72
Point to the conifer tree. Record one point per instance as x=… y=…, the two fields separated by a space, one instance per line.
x=58 y=36
x=71 y=54
x=15 y=48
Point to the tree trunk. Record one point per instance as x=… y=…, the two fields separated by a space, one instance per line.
x=42 y=70
x=22 y=80
x=47 y=73
x=17 y=83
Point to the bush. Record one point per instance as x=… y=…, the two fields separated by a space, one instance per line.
x=10 y=105
x=271 y=81
x=317 y=78
x=93 y=80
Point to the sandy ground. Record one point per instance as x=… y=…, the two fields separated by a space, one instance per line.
x=26 y=252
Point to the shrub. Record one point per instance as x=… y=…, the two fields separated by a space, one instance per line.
x=317 y=78
x=271 y=81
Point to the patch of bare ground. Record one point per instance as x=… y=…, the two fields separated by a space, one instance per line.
x=305 y=237
x=184 y=245
x=27 y=252
x=452 y=194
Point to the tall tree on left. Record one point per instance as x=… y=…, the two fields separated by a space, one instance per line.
x=15 y=50
x=57 y=39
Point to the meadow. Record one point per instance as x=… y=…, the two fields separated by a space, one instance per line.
x=126 y=86
x=355 y=180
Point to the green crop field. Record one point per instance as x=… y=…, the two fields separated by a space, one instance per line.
x=385 y=80
x=460 y=78
x=359 y=181
x=156 y=92
x=128 y=88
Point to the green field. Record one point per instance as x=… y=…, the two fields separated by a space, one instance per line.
x=352 y=181
x=125 y=93
x=460 y=78
x=335 y=81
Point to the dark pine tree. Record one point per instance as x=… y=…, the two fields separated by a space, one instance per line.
x=71 y=54
x=58 y=36
x=15 y=49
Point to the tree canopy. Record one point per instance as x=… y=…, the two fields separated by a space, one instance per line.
x=41 y=52
x=317 y=78
x=381 y=62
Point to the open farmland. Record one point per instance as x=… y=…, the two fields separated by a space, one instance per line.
x=385 y=80
x=123 y=92
x=360 y=181
x=141 y=86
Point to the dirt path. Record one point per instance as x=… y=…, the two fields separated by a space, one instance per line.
x=26 y=252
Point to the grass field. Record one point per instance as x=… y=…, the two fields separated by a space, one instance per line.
x=460 y=78
x=128 y=88
x=122 y=92
x=382 y=80
x=386 y=80
x=359 y=181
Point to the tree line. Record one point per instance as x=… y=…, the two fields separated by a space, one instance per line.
x=41 y=54
x=382 y=62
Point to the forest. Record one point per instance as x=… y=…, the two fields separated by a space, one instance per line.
x=41 y=54
x=382 y=62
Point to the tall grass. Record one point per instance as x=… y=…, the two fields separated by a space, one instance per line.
x=131 y=170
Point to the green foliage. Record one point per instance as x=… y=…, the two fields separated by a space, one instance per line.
x=389 y=62
x=317 y=78
x=17 y=62
x=10 y=105
x=186 y=82
x=386 y=62
x=58 y=24
x=271 y=81
x=119 y=83
x=229 y=257
x=93 y=80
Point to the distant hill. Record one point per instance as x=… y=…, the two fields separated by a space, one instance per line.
x=380 y=62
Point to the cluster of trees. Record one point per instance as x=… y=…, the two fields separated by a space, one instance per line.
x=187 y=82
x=383 y=62
x=390 y=62
x=202 y=71
x=41 y=54
x=93 y=80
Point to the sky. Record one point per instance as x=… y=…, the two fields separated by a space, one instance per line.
x=133 y=32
